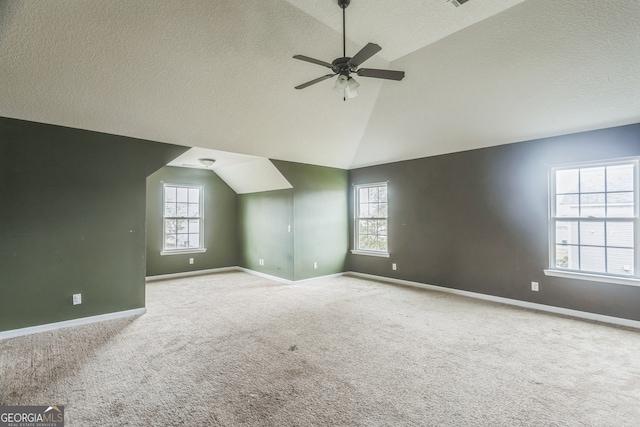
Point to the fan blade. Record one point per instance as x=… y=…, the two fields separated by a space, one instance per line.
x=365 y=53
x=381 y=74
x=312 y=82
x=313 y=61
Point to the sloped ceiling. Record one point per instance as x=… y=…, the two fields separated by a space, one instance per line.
x=220 y=74
x=243 y=173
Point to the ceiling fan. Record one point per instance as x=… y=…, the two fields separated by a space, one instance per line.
x=345 y=66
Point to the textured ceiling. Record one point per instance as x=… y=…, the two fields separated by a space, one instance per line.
x=219 y=74
x=401 y=27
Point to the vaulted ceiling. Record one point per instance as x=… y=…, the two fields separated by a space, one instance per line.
x=220 y=74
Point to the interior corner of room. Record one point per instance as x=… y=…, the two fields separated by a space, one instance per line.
x=464 y=144
x=468 y=221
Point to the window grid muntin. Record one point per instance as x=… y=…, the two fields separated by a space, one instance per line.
x=633 y=220
x=377 y=222
x=606 y=245
x=191 y=216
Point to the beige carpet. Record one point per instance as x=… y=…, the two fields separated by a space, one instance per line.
x=234 y=349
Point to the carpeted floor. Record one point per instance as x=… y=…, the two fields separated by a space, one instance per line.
x=234 y=349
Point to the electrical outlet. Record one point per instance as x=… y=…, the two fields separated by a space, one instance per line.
x=190 y=260
x=535 y=286
x=315 y=265
x=77 y=299
x=394 y=266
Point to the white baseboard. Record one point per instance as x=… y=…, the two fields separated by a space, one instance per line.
x=214 y=271
x=73 y=322
x=266 y=276
x=525 y=304
x=246 y=270
x=313 y=279
x=190 y=273
x=140 y=311
x=287 y=281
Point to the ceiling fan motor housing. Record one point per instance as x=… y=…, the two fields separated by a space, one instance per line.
x=346 y=65
x=341 y=66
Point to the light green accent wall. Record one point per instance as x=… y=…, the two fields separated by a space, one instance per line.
x=265 y=220
x=293 y=229
x=75 y=219
x=289 y=230
x=72 y=221
x=220 y=205
x=320 y=218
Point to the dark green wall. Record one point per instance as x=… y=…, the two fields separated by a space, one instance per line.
x=477 y=221
x=315 y=212
x=320 y=218
x=220 y=222
x=72 y=221
x=264 y=220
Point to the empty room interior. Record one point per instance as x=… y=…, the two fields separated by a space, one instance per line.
x=328 y=212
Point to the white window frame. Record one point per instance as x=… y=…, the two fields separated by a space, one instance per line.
x=356 y=211
x=556 y=271
x=200 y=218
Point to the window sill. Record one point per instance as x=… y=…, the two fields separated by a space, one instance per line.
x=184 y=252
x=593 y=277
x=370 y=253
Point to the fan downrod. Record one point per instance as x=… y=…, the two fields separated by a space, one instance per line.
x=346 y=65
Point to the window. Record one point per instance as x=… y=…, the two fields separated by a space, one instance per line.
x=182 y=218
x=371 y=219
x=594 y=219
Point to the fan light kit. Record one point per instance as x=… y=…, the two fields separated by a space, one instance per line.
x=345 y=66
